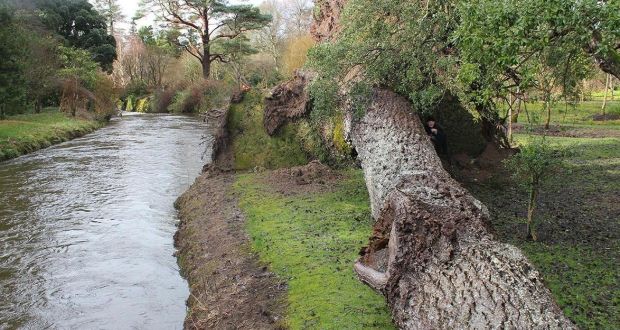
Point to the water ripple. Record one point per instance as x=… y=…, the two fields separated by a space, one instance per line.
x=86 y=228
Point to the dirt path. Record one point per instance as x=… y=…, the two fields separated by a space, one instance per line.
x=229 y=288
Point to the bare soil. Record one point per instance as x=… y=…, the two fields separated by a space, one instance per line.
x=230 y=289
x=311 y=178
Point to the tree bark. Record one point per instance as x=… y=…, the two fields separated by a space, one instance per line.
x=548 y=120
x=431 y=253
x=206 y=57
x=531 y=207
x=607 y=77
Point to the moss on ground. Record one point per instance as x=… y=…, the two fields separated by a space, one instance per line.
x=312 y=240
x=578 y=252
x=253 y=147
x=22 y=134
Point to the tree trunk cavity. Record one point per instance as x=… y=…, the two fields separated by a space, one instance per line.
x=431 y=253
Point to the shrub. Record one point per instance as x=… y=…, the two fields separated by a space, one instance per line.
x=202 y=96
x=296 y=52
x=131 y=103
x=105 y=96
x=136 y=87
x=163 y=99
x=177 y=102
x=532 y=166
x=143 y=105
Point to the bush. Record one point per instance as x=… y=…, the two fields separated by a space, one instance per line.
x=163 y=99
x=202 y=96
x=532 y=166
x=130 y=103
x=296 y=52
x=136 y=87
x=143 y=105
x=105 y=96
x=177 y=102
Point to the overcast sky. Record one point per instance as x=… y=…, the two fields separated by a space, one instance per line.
x=130 y=7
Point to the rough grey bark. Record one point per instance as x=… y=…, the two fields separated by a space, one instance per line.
x=431 y=253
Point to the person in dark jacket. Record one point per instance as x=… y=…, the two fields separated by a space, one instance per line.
x=437 y=135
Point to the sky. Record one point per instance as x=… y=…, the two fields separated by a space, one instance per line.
x=130 y=6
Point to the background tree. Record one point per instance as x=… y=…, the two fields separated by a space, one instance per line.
x=81 y=26
x=506 y=44
x=111 y=11
x=12 y=88
x=271 y=38
x=298 y=16
x=208 y=22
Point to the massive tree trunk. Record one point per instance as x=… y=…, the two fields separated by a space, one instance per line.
x=431 y=253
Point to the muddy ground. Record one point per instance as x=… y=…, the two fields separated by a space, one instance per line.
x=230 y=288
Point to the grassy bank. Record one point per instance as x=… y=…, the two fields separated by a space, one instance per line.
x=22 y=134
x=578 y=251
x=311 y=240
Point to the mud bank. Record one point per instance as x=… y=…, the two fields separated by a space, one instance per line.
x=229 y=288
x=305 y=224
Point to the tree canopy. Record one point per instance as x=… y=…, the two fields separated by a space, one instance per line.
x=477 y=50
x=82 y=26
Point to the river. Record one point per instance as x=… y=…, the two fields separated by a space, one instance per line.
x=86 y=228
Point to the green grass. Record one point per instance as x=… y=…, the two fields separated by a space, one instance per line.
x=579 y=248
x=253 y=147
x=562 y=114
x=312 y=240
x=22 y=134
x=584 y=283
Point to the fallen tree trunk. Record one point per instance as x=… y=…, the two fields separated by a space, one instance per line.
x=431 y=253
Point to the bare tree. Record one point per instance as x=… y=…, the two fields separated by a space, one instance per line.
x=299 y=16
x=271 y=38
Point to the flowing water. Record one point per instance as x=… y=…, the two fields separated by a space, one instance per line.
x=86 y=228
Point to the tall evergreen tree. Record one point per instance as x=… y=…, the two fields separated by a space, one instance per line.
x=212 y=25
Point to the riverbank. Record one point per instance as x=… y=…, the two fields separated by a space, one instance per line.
x=23 y=134
x=307 y=229
x=229 y=286
x=274 y=250
x=304 y=225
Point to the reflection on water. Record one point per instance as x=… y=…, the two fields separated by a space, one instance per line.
x=86 y=228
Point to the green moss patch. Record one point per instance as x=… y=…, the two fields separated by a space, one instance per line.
x=253 y=147
x=312 y=240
